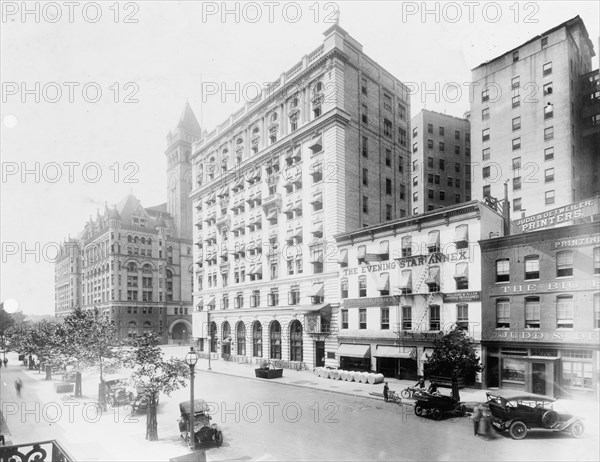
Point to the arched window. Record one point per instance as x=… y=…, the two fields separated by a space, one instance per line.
x=241 y=338
x=226 y=338
x=132 y=268
x=257 y=339
x=213 y=337
x=275 y=338
x=143 y=240
x=147 y=327
x=132 y=329
x=295 y=341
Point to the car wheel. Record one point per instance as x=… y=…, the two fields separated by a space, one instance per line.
x=436 y=414
x=418 y=410
x=549 y=419
x=518 y=430
x=405 y=393
x=219 y=438
x=577 y=429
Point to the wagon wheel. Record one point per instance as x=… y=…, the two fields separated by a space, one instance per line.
x=436 y=413
x=219 y=438
x=577 y=429
x=405 y=393
x=518 y=430
x=418 y=410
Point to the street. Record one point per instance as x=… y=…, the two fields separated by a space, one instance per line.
x=265 y=420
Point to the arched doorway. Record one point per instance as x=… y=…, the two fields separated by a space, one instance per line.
x=275 y=339
x=257 y=339
x=226 y=339
x=296 y=341
x=241 y=338
x=180 y=331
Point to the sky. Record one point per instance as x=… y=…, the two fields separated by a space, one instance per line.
x=90 y=91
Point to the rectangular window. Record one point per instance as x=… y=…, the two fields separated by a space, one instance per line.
x=549 y=175
x=415 y=132
x=548 y=133
x=441 y=131
x=462 y=316
x=402 y=111
x=485 y=113
x=365 y=147
x=517 y=204
x=548 y=89
x=388 y=158
x=515 y=56
x=516 y=144
x=362 y=286
x=502 y=270
x=516 y=123
x=430 y=128
x=549 y=197
x=365 y=177
x=450 y=181
x=406 y=318
x=362 y=318
x=442 y=195
x=387 y=102
x=385 y=318
x=457 y=134
x=515 y=82
x=430 y=193
x=388 y=186
x=485 y=154
x=516 y=182
x=456 y=149
x=485 y=134
x=344 y=319
x=388 y=212
x=442 y=164
x=430 y=178
x=436 y=179
x=415 y=147
x=532 y=312
x=365 y=204
x=532 y=267
x=387 y=128
x=402 y=135
x=365 y=114
x=596 y=324
x=564 y=312
x=441 y=146
x=502 y=314
x=429 y=144
x=547 y=68
x=434 y=317
x=544 y=42
x=564 y=263
x=486 y=172
x=596 y=260
x=485 y=95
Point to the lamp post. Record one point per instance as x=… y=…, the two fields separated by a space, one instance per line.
x=191 y=359
x=209 y=337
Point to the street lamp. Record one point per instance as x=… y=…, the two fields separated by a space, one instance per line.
x=191 y=359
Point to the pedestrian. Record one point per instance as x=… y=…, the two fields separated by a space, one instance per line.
x=477 y=414
x=5 y=361
x=18 y=386
x=420 y=383
x=485 y=421
x=386 y=389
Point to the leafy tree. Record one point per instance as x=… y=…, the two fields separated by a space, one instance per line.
x=454 y=356
x=152 y=375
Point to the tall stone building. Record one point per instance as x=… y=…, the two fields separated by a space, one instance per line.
x=528 y=125
x=134 y=263
x=323 y=151
x=441 y=161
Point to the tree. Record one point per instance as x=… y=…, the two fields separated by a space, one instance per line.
x=153 y=375
x=454 y=356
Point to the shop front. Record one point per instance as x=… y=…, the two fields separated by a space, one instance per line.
x=396 y=361
x=354 y=357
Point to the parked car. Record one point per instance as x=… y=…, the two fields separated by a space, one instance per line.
x=203 y=430
x=518 y=412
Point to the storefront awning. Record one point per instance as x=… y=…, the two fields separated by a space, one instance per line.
x=388 y=351
x=318 y=290
x=312 y=308
x=353 y=350
x=384 y=282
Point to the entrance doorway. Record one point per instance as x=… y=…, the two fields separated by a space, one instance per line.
x=387 y=366
x=493 y=378
x=538 y=378
x=319 y=354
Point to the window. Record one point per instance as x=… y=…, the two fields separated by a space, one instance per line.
x=415 y=147
x=415 y=166
x=549 y=196
x=441 y=131
x=402 y=111
x=516 y=144
x=515 y=56
x=429 y=178
x=549 y=175
x=450 y=181
x=388 y=158
x=365 y=177
x=515 y=82
x=415 y=197
x=596 y=311
x=406 y=318
x=294 y=296
x=344 y=287
x=549 y=153
x=255 y=299
x=362 y=286
x=429 y=144
x=388 y=212
x=406 y=246
x=436 y=179
x=365 y=204
x=485 y=154
x=564 y=312
x=517 y=205
x=577 y=375
x=415 y=132
x=434 y=317
x=548 y=89
x=485 y=113
x=275 y=340
x=544 y=42
x=487 y=191
x=485 y=134
x=388 y=186
x=296 y=341
x=456 y=149
x=462 y=317
x=365 y=147
x=442 y=195
x=442 y=164
x=502 y=270
x=461 y=276
x=385 y=318
x=548 y=111
x=596 y=260
x=402 y=135
x=362 y=318
x=364 y=87
x=516 y=123
x=402 y=192
x=364 y=116
x=486 y=172
x=430 y=193
x=485 y=95
x=564 y=263
x=502 y=314
x=430 y=128
x=344 y=319
x=516 y=183
x=387 y=128
x=430 y=162
x=387 y=102
x=547 y=68
x=532 y=312
x=457 y=134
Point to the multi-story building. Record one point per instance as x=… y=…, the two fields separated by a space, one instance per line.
x=527 y=122
x=136 y=263
x=441 y=161
x=67 y=278
x=541 y=317
x=406 y=282
x=323 y=151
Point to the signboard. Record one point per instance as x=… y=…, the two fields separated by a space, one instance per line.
x=556 y=217
x=433 y=258
x=541 y=336
x=373 y=301
x=555 y=286
x=458 y=297
x=576 y=242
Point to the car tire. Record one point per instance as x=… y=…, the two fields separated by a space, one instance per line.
x=405 y=393
x=219 y=438
x=436 y=414
x=418 y=410
x=577 y=429
x=518 y=430
x=549 y=419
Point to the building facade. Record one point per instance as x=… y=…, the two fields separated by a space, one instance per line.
x=67 y=278
x=527 y=122
x=407 y=282
x=541 y=311
x=323 y=151
x=441 y=161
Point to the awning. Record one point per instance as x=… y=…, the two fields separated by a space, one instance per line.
x=316 y=144
x=317 y=227
x=239 y=182
x=461 y=271
x=289 y=207
x=388 y=351
x=353 y=350
x=297 y=153
x=289 y=234
x=343 y=260
x=312 y=308
x=316 y=168
x=298 y=204
x=257 y=269
x=211 y=302
x=361 y=252
x=462 y=234
x=316 y=256
x=406 y=279
x=426 y=354
x=384 y=247
x=272 y=215
x=297 y=232
x=384 y=281
x=224 y=191
x=318 y=290
x=317 y=197
x=211 y=197
x=433 y=277
x=434 y=239
x=200 y=305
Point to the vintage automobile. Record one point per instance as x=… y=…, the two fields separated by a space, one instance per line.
x=518 y=412
x=436 y=404
x=204 y=431
x=118 y=393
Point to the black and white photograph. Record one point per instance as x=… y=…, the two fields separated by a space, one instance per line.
x=299 y=231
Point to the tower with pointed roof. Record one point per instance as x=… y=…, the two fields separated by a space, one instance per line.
x=179 y=170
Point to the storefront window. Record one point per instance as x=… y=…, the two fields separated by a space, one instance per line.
x=296 y=341
x=577 y=375
x=513 y=371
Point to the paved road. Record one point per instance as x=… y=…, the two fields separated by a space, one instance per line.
x=263 y=420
